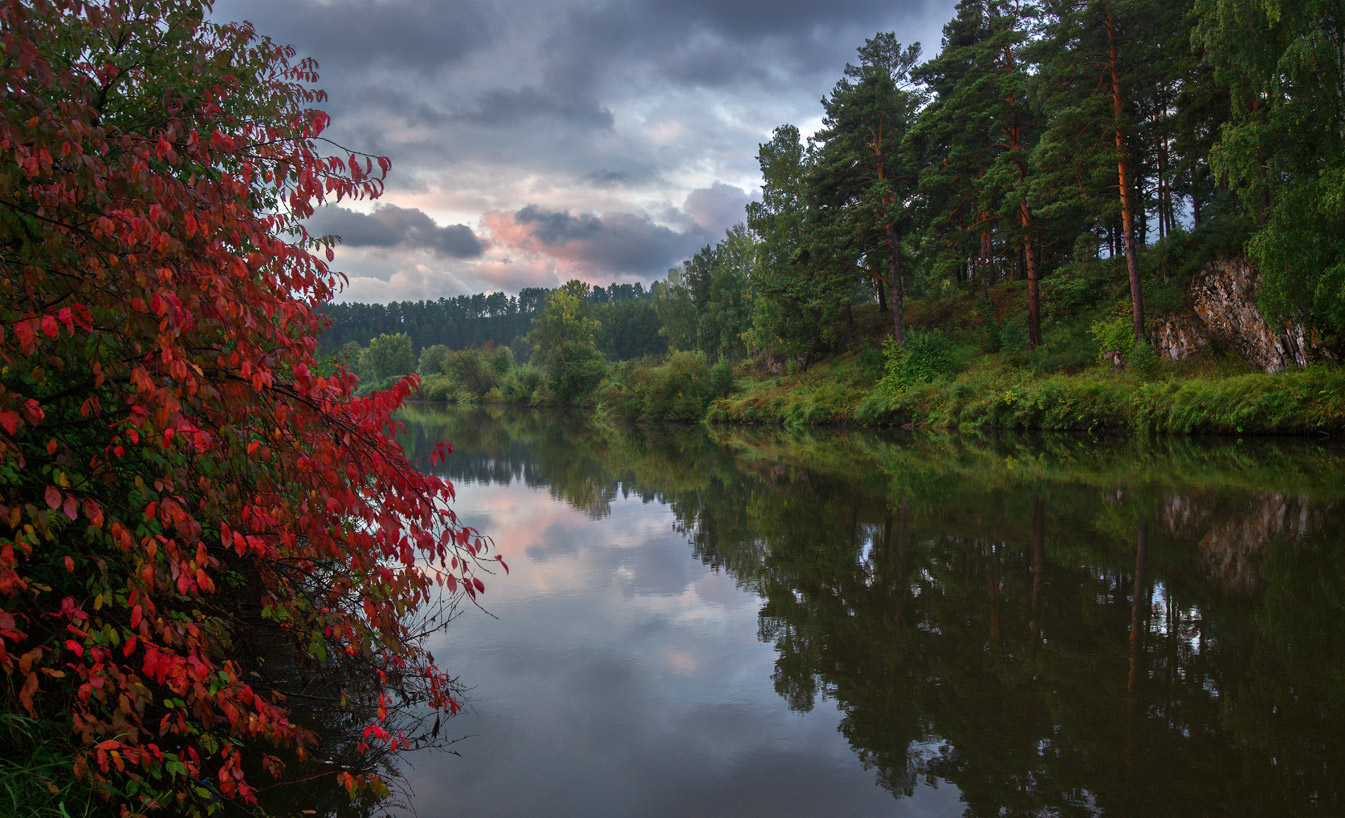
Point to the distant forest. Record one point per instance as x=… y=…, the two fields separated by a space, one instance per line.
x=629 y=320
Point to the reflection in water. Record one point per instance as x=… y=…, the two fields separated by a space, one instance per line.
x=1045 y=626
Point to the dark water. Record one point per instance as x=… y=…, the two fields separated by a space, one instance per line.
x=841 y=624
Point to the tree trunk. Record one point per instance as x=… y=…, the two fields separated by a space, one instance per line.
x=1162 y=190
x=894 y=284
x=1033 y=285
x=1123 y=176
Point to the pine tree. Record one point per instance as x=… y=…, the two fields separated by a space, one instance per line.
x=864 y=182
x=1086 y=154
x=979 y=131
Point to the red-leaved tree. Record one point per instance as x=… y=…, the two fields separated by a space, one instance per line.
x=183 y=484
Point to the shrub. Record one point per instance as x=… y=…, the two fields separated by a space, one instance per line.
x=475 y=370
x=576 y=370
x=432 y=360
x=1114 y=333
x=721 y=378
x=923 y=357
x=182 y=480
x=522 y=385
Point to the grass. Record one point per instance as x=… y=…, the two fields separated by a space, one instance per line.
x=39 y=784
x=991 y=393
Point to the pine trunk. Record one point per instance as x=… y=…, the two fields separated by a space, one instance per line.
x=1033 y=285
x=1123 y=176
x=894 y=284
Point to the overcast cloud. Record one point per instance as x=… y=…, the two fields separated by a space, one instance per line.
x=534 y=141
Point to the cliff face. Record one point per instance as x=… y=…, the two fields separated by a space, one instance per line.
x=1221 y=312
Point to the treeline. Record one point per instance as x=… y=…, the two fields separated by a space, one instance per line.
x=467 y=321
x=1060 y=166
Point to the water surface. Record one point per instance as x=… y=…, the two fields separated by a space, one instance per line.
x=747 y=623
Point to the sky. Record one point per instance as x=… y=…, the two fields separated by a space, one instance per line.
x=537 y=141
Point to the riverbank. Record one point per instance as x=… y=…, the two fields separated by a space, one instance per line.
x=996 y=397
x=848 y=392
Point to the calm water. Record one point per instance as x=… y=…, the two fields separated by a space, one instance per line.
x=829 y=624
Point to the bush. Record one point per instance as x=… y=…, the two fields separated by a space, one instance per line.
x=173 y=515
x=475 y=371
x=389 y=356
x=432 y=360
x=922 y=358
x=678 y=389
x=1114 y=333
x=721 y=379
x=576 y=371
x=523 y=386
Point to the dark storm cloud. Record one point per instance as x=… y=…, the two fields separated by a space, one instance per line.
x=724 y=43
x=354 y=229
x=527 y=104
x=346 y=34
x=613 y=243
x=392 y=226
x=553 y=227
x=617 y=178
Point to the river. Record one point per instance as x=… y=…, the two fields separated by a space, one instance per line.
x=745 y=623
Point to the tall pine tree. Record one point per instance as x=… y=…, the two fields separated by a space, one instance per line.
x=864 y=182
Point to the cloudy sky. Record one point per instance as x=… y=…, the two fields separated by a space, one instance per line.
x=535 y=141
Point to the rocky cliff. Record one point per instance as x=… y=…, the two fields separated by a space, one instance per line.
x=1221 y=313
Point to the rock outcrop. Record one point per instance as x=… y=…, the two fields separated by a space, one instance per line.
x=1221 y=312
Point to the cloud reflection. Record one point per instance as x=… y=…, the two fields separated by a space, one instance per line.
x=623 y=677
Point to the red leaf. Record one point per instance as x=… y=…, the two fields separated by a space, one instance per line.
x=24 y=331
x=10 y=421
x=49 y=326
x=70 y=507
x=53 y=497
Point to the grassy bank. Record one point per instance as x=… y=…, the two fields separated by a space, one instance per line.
x=994 y=396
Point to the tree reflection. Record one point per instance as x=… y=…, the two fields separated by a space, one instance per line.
x=1055 y=626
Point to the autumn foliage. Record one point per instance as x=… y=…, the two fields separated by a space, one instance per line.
x=178 y=471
